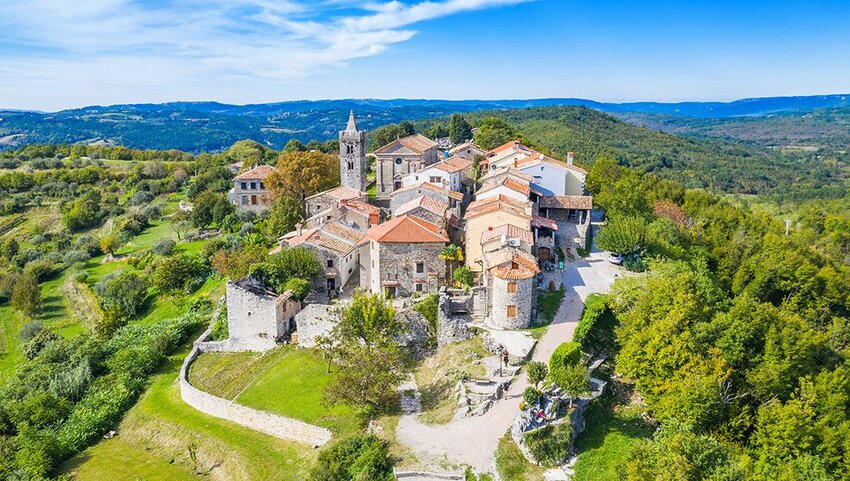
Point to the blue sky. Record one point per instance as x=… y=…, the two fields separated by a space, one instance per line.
x=58 y=54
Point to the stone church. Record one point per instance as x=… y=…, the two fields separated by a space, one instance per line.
x=400 y=158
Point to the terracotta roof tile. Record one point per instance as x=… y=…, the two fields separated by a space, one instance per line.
x=492 y=204
x=509 y=231
x=341 y=193
x=406 y=229
x=361 y=206
x=427 y=203
x=580 y=202
x=523 y=188
x=427 y=185
x=542 y=159
x=537 y=221
x=494 y=174
x=452 y=165
x=259 y=172
x=335 y=237
x=513 y=144
x=416 y=142
x=519 y=266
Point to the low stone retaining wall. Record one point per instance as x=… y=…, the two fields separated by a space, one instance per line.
x=423 y=476
x=262 y=421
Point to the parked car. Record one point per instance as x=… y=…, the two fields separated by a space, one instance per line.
x=616 y=259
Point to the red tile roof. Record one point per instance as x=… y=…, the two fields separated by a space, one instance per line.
x=406 y=229
x=509 y=231
x=537 y=221
x=341 y=193
x=361 y=206
x=259 y=172
x=518 y=186
x=492 y=204
x=452 y=164
x=520 y=266
x=335 y=237
x=427 y=203
x=542 y=159
x=580 y=202
x=436 y=188
x=513 y=144
x=416 y=142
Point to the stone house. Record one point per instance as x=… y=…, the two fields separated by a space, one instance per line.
x=399 y=158
x=249 y=190
x=430 y=210
x=324 y=202
x=401 y=257
x=335 y=246
x=453 y=173
x=511 y=281
x=505 y=155
x=468 y=150
x=570 y=212
x=257 y=315
x=484 y=215
x=553 y=177
x=507 y=186
x=407 y=194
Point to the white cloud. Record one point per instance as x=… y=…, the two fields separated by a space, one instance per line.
x=48 y=42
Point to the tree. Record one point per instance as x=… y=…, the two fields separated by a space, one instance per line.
x=301 y=174
x=109 y=244
x=210 y=208
x=463 y=277
x=370 y=363
x=236 y=264
x=181 y=272
x=537 y=372
x=294 y=145
x=359 y=458
x=285 y=213
x=181 y=222
x=299 y=288
x=459 y=129
x=250 y=152
x=574 y=380
x=121 y=295
x=494 y=132
x=84 y=212
x=26 y=295
x=623 y=235
x=436 y=131
x=451 y=254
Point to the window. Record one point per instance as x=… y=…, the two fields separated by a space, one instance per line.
x=391 y=292
x=253 y=200
x=511 y=287
x=435 y=180
x=420 y=267
x=243 y=185
x=351 y=166
x=262 y=186
x=253 y=186
x=244 y=200
x=511 y=311
x=398 y=161
x=349 y=149
x=420 y=287
x=330 y=262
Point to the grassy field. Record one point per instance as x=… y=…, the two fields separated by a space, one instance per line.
x=612 y=431
x=292 y=386
x=161 y=437
x=438 y=374
x=547 y=306
x=512 y=465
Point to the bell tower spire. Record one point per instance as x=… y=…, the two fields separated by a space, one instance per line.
x=352 y=156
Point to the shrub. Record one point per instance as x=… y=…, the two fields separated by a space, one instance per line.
x=7 y=285
x=358 y=458
x=595 y=330
x=177 y=273
x=463 y=277
x=428 y=308
x=531 y=395
x=121 y=295
x=26 y=294
x=39 y=342
x=75 y=256
x=568 y=353
x=537 y=372
x=299 y=288
x=38 y=453
x=43 y=269
x=164 y=247
x=220 y=330
x=550 y=444
x=633 y=263
x=30 y=330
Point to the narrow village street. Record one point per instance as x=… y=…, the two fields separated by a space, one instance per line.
x=473 y=441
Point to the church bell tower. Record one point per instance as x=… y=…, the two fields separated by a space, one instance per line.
x=352 y=156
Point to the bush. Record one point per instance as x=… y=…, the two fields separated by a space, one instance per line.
x=177 y=273
x=537 y=372
x=567 y=354
x=164 y=247
x=550 y=444
x=633 y=263
x=428 y=308
x=26 y=294
x=220 y=330
x=43 y=269
x=359 y=458
x=595 y=330
x=30 y=330
x=39 y=342
x=463 y=277
x=121 y=295
x=299 y=288
x=531 y=395
x=72 y=257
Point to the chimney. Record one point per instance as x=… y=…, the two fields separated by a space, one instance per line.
x=490 y=228
x=570 y=157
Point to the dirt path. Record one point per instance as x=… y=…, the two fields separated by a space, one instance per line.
x=473 y=441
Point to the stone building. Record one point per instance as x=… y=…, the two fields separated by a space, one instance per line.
x=429 y=209
x=454 y=173
x=257 y=315
x=401 y=257
x=441 y=194
x=401 y=157
x=511 y=280
x=484 y=215
x=335 y=246
x=352 y=156
x=249 y=190
x=323 y=202
x=468 y=150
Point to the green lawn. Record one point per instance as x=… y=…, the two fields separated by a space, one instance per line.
x=548 y=304
x=156 y=437
x=292 y=386
x=612 y=431
x=227 y=374
x=512 y=465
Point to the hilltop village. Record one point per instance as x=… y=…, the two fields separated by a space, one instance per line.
x=515 y=215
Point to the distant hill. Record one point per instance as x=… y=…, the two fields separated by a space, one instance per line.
x=212 y=126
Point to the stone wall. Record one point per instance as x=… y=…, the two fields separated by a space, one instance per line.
x=262 y=421
x=397 y=263
x=523 y=299
x=255 y=312
x=313 y=321
x=320 y=203
x=450 y=326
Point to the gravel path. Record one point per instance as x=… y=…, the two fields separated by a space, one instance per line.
x=473 y=441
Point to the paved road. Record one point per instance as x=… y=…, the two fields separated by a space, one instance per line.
x=473 y=441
